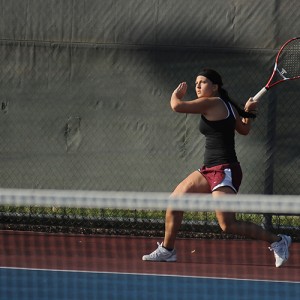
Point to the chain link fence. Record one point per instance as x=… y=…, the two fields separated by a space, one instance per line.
x=106 y=124
x=91 y=112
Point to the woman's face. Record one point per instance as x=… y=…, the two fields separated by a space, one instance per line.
x=205 y=88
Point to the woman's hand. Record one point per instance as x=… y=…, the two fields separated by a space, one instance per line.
x=180 y=91
x=251 y=105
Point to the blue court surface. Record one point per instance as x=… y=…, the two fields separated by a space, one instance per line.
x=26 y=284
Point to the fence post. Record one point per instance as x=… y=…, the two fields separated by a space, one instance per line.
x=270 y=153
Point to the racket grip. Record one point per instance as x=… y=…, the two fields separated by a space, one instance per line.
x=260 y=94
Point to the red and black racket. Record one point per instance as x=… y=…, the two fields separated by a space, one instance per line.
x=287 y=66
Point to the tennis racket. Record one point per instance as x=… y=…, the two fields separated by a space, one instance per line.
x=287 y=66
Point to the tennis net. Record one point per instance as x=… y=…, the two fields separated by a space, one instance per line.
x=138 y=213
x=89 y=245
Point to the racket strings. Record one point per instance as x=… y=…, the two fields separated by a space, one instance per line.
x=289 y=60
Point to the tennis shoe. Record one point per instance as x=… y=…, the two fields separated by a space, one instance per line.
x=281 y=249
x=161 y=254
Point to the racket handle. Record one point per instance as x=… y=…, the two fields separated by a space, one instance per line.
x=260 y=94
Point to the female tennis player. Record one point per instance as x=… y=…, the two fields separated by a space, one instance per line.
x=221 y=173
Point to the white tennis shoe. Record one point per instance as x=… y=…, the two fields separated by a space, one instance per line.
x=281 y=249
x=161 y=254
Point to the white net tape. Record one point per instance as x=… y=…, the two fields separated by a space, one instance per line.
x=285 y=204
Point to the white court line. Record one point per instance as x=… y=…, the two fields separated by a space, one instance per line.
x=147 y=274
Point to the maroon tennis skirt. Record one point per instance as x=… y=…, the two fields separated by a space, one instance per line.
x=223 y=175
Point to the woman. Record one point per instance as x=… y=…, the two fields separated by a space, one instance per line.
x=221 y=174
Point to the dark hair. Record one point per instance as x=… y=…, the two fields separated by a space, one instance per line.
x=216 y=78
x=224 y=95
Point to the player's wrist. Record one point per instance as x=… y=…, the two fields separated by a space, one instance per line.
x=250 y=110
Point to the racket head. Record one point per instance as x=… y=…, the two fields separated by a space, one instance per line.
x=287 y=63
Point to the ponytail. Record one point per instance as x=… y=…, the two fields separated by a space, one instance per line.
x=224 y=95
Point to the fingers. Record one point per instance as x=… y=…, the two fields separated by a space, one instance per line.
x=182 y=86
x=180 y=90
x=251 y=105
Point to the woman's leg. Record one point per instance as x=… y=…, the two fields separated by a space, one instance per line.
x=230 y=224
x=279 y=244
x=194 y=183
